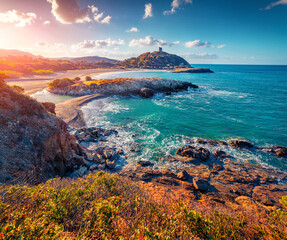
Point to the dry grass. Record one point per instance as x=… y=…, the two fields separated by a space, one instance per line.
x=104 y=206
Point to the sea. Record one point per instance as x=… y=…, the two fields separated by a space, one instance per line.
x=236 y=101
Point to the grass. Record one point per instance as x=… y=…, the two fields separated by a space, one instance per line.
x=105 y=206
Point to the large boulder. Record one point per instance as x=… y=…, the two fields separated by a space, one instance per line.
x=198 y=153
x=237 y=143
x=146 y=93
x=34 y=144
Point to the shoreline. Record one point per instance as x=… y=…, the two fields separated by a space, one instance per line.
x=33 y=84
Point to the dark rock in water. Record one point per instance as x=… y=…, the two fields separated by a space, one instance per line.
x=193 y=152
x=145 y=163
x=183 y=175
x=200 y=184
x=279 y=151
x=134 y=148
x=219 y=154
x=50 y=107
x=192 y=70
x=240 y=143
x=146 y=93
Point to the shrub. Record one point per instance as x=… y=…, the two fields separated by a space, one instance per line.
x=104 y=206
x=61 y=83
x=43 y=72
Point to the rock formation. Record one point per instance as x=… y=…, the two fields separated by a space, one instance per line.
x=145 y=87
x=34 y=144
x=154 y=60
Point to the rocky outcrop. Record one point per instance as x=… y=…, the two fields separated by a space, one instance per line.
x=213 y=181
x=34 y=144
x=192 y=70
x=145 y=87
x=154 y=60
x=279 y=151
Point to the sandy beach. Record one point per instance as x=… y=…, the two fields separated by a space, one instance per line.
x=33 y=84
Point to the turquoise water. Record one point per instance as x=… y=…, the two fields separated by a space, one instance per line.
x=235 y=101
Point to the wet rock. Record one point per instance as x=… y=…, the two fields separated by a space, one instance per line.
x=146 y=93
x=120 y=151
x=219 y=154
x=183 y=175
x=240 y=143
x=223 y=143
x=200 y=184
x=145 y=163
x=134 y=149
x=201 y=141
x=193 y=152
x=279 y=151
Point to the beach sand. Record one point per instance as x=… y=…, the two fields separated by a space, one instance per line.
x=33 y=84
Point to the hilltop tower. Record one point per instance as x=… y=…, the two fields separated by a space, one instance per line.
x=160 y=49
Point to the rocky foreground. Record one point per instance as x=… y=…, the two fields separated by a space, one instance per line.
x=213 y=179
x=144 y=87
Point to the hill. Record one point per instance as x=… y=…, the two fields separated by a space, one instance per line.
x=90 y=59
x=16 y=53
x=155 y=60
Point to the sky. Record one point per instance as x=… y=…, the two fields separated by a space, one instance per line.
x=201 y=31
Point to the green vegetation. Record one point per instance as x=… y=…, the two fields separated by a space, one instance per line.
x=104 y=206
x=43 y=72
x=61 y=83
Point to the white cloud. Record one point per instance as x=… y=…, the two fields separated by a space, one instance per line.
x=200 y=56
x=273 y=4
x=150 y=41
x=197 y=44
x=133 y=29
x=107 y=19
x=69 y=11
x=148 y=11
x=221 y=46
x=98 y=17
x=46 y=22
x=175 y=5
x=99 y=43
x=17 y=18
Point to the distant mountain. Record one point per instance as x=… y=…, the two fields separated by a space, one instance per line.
x=155 y=60
x=16 y=53
x=90 y=59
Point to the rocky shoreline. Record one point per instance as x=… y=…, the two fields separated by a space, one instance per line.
x=214 y=179
x=144 y=87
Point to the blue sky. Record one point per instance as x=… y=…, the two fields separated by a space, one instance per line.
x=202 y=31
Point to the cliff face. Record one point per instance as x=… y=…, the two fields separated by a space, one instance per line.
x=155 y=60
x=34 y=144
